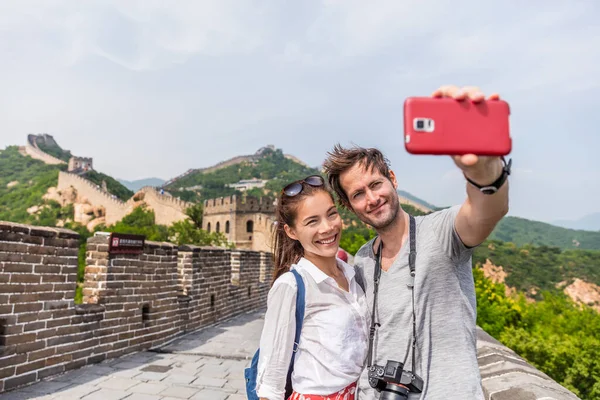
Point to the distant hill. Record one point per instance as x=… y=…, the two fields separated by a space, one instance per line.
x=417 y=200
x=140 y=183
x=23 y=182
x=590 y=222
x=183 y=180
x=539 y=267
x=267 y=163
x=522 y=231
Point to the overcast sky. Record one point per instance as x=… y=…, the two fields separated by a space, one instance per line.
x=153 y=88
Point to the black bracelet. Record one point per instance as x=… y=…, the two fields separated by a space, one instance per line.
x=497 y=184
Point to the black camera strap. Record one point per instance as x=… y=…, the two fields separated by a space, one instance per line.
x=412 y=257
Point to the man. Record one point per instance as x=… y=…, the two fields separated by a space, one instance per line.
x=442 y=292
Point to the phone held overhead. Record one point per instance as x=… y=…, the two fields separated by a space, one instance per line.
x=446 y=126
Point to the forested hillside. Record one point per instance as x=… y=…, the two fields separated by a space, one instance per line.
x=272 y=166
x=23 y=182
x=537 y=268
x=53 y=149
x=112 y=185
x=522 y=231
x=553 y=333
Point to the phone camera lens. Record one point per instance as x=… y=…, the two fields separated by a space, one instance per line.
x=420 y=124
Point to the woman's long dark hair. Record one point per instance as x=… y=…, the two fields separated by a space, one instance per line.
x=287 y=251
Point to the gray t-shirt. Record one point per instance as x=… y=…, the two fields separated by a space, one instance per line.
x=445 y=307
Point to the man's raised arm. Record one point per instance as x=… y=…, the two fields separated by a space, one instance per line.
x=480 y=212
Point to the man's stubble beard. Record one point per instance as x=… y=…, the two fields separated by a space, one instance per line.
x=390 y=221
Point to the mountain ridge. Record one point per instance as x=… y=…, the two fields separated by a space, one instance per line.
x=274 y=169
x=589 y=222
x=137 y=184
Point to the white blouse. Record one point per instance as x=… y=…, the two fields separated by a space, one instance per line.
x=334 y=338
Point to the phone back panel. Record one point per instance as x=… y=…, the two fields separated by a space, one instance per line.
x=451 y=127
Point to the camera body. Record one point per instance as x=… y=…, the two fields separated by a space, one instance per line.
x=387 y=379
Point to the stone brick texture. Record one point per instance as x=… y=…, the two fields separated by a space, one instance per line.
x=131 y=302
x=139 y=302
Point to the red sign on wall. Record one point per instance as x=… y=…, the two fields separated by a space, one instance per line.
x=122 y=243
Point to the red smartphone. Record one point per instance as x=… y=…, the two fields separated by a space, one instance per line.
x=455 y=127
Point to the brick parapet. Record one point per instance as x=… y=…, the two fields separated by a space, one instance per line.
x=138 y=302
x=131 y=302
x=506 y=376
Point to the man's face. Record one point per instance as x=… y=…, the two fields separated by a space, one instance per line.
x=372 y=196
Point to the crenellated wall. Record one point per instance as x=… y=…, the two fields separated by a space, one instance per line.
x=131 y=302
x=138 y=302
x=167 y=209
x=239 y=204
x=32 y=149
x=250 y=220
x=115 y=208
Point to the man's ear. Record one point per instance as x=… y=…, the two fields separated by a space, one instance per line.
x=393 y=179
x=290 y=232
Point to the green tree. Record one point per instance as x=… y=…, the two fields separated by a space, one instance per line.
x=195 y=213
x=186 y=232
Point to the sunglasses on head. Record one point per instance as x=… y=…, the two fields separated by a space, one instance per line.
x=295 y=188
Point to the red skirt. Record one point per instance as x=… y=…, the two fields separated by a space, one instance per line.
x=346 y=393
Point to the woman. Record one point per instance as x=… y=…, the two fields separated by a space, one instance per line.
x=333 y=341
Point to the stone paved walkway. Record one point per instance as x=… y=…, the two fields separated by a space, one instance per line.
x=204 y=365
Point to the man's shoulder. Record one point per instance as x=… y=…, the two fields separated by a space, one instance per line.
x=365 y=251
x=437 y=216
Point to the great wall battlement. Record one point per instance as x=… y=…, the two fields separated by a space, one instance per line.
x=131 y=302
x=240 y=204
x=115 y=209
x=138 y=302
x=32 y=149
x=167 y=209
x=246 y=221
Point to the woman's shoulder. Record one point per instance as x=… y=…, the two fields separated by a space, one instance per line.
x=286 y=279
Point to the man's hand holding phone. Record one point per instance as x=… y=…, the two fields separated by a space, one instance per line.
x=462 y=123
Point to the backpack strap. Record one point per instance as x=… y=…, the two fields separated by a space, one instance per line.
x=300 y=305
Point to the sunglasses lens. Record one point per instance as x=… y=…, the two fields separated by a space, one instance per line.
x=292 y=189
x=314 y=180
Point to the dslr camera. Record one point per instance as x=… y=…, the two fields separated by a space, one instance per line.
x=393 y=381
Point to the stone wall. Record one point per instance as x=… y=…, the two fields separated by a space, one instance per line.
x=238 y=211
x=138 y=302
x=131 y=302
x=506 y=376
x=34 y=151
x=167 y=209
x=115 y=208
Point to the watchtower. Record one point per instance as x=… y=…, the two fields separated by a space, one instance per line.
x=80 y=164
x=246 y=221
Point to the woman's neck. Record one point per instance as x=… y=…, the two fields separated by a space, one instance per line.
x=326 y=264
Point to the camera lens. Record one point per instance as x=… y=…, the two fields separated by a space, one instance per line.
x=420 y=124
x=394 y=392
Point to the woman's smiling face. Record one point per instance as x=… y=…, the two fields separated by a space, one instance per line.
x=318 y=226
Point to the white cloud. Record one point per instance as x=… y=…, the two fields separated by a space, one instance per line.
x=138 y=35
x=192 y=82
